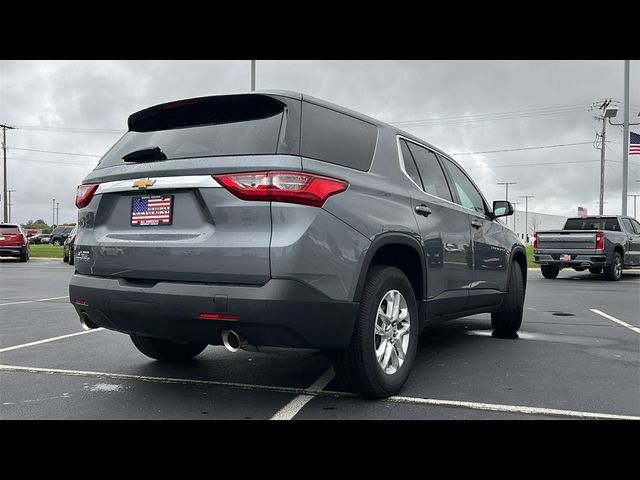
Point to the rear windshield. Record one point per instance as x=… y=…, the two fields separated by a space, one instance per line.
x=610 y=224
x=9 y=229
x=203 y=128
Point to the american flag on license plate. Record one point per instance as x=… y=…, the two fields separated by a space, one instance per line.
x=151 y=211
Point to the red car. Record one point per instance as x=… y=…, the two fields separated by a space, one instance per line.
x=13 y=242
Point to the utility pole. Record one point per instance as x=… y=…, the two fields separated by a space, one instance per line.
x=625 y=148
x=506 y=194
x=635 y=197
x=603 y=135
x=253 y=75
x=57 y=213
x=4 y=154
x=53 y=213
x=526 y=216
x=9 y=202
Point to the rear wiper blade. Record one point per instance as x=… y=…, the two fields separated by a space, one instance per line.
x=145 y=155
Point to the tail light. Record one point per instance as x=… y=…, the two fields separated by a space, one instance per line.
x=291 y=187
x=599 y=240
x=84 y=194
x=535 y=240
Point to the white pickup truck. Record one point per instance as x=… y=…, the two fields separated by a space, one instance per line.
x=601 y=244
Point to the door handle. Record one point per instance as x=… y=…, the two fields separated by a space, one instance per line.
x=476 y=224
x=423 y=210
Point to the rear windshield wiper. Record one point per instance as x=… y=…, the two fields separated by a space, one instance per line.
x=145 y=155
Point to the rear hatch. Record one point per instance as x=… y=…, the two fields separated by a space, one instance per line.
x=157 y=213
x=10 y=236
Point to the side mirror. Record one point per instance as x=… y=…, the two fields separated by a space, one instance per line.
x=502 y=208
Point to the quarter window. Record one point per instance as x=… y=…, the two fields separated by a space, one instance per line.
x=469 y=195
x=410 y=165
x=433 y=178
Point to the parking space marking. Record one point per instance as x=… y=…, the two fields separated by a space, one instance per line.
x=33 y=301
x=47 y=340
x=292 y=408
x=614 y=319
x=328 y=393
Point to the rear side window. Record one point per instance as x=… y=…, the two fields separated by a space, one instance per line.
x=218 y=126
x=610 y=224
x=627 y=225
x=410 y=165
x=337 y=138
x=431 y=172
x=469 y=195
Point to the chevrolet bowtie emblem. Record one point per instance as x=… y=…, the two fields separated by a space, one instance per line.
x=143 y=183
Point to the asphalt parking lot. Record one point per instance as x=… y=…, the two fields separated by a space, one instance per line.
x=577 y=356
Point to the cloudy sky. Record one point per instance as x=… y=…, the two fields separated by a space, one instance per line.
x=81 y=107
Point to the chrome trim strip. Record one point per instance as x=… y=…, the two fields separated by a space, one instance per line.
x=186 y=181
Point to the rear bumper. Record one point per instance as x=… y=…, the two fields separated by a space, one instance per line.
x=11 y=251
x=586 y=260
x=281 y=313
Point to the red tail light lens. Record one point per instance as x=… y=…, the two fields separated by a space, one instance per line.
x=291 y=187
x=599 y=240
x=84 y=194
x=535 y=240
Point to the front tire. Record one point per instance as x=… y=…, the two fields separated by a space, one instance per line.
x=549 y=271
x=379 y=358
x=166 y=350
x=507 y=321
x=614 y=271
x=57 y=242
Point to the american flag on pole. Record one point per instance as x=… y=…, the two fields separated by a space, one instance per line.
x=582 y=212
x=151 y=211
x=634 y=143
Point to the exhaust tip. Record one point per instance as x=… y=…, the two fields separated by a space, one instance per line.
x=231 y=340
x=86 y=322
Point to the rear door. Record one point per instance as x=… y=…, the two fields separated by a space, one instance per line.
x=158 y=214
x=444 y=228
x=489 y=242
x=632 y=251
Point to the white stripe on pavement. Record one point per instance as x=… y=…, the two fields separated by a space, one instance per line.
x=292 y=408
x=47 y=340
x=614 y=319
x=328 y=393
x=32 y=301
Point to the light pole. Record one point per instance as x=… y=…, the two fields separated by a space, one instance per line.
x=253 y=75
x=526 y=216
x=53 y=213
x=57 y=213
x=506 y=193
x=635 y=197
x=611 y=113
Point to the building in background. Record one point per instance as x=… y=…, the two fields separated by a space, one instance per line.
x=537 y=221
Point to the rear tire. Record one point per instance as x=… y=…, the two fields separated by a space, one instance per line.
x=166 y=350
x=71 y=260
x=614 y=271
x=358 y=367
x=57 y=242
x=507 y=321
x=24 y=256
x=549 y=271
x=595 y=270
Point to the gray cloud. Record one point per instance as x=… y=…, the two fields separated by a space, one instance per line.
x=101 y=95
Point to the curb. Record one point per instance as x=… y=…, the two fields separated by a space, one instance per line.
x=46 y=258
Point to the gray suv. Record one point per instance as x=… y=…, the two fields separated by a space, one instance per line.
x=275 y=220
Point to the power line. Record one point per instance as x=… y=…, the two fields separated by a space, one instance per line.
x=68 y=129
x=50 y=161
x=525 y=148
x=57 y=153
x=539 y=163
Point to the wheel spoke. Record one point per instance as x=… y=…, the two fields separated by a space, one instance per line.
x=399 y=351
x=381 y=349
x=393 y=358
x=387 y=355
x=396 y=305
x=403 y=314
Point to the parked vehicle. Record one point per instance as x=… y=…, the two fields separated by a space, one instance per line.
x=13 y=242
x=277 y=220
x=68 y=247
x=40 y=238
x=59 y=235
x=598 y=243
